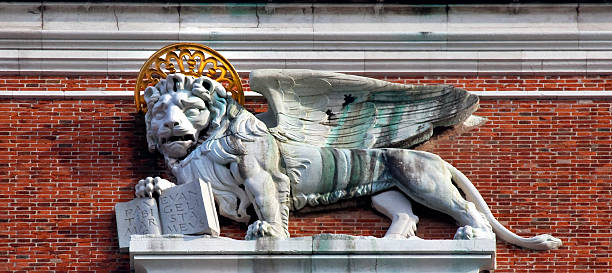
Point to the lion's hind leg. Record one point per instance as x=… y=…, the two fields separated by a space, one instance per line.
x=397 y=207
x=424 y=178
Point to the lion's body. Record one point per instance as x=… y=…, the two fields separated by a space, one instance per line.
x=322 y=175
x=295 y=175
x=247 y=163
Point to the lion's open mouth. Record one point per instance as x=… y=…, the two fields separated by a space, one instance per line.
x=186 y=137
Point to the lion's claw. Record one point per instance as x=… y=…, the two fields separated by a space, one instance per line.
x=260 y=229
x=146 y=187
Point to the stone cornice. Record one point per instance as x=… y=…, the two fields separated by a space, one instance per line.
x=88 y=38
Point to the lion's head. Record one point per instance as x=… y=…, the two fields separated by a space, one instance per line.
x=181 y=110
x=183 y=113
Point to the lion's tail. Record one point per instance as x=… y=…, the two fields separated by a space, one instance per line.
x=539 y=242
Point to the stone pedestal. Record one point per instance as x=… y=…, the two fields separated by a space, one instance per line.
x=322 y=253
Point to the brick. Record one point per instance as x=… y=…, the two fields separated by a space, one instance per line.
x=543 y=166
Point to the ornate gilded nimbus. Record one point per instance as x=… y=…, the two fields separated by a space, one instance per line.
x=189 y=59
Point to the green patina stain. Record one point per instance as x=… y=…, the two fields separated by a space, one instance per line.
x=394 y=122
x=397 y=119
x=333 y=134
x=356 y=173
x=348 y=119
x=382 y=185
x=328 y=170
x=367 y=165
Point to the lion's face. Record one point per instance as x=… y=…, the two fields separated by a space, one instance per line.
x=181 y=109
x=179 y=112
x=177 y=120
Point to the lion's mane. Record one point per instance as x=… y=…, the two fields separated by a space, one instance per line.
x=218 y=147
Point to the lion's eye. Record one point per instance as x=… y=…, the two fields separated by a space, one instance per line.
x=192 y=112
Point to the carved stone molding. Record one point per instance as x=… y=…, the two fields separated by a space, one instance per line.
x=323 y=253
x=111 y=95
x=76 y=38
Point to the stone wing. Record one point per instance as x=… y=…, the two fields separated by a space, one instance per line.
x=344 y=111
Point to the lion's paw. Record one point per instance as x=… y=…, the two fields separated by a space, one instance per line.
x=471 y=233
x=146 y=187
x=260 y=229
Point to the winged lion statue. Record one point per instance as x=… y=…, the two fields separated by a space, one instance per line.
x=326 y=137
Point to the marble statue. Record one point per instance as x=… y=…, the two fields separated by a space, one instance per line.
x=326 y=137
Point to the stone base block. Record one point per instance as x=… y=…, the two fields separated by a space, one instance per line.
x=324 y=253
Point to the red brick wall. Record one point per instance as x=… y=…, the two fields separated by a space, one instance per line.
x=67 y=83
x=472 y=83
x=543 y=166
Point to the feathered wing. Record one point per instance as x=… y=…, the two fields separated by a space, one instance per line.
x=344 y=111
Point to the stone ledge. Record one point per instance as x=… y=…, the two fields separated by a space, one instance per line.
x=544 y=95
x=320 y=253
x=111 y=95
x=107 y=60
x=70 y=95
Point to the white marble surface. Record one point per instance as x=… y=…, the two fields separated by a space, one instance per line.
x=188 y=209
x=116 y=38
x=322 y=253
x=139 y=216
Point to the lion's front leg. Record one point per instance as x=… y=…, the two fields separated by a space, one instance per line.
x=267 y=200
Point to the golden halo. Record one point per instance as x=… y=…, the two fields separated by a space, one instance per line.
x=190 y=59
